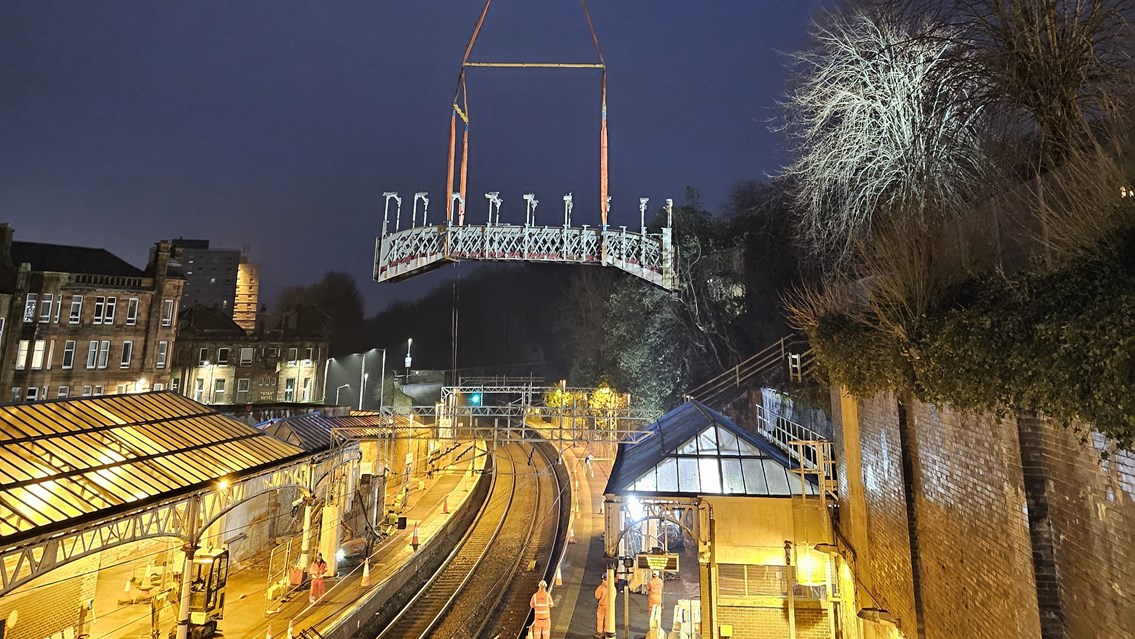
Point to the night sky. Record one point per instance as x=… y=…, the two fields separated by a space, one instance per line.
x=278 y=124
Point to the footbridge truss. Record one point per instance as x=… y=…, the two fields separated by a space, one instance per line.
x=511 y=410
x=404 y=253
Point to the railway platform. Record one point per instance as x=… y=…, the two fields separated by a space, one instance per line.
x=246 y=613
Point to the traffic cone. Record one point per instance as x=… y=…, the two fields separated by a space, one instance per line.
x=366 y=574
x=445 y=505
x=289 y=629
x=269 y=635
x=530 y=632
x=571 y=535
x=559 y=578
x=414 y=538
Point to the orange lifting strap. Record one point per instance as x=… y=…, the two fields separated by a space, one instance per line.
x=463 y=111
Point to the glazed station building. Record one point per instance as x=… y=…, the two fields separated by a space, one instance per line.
x=710 y=503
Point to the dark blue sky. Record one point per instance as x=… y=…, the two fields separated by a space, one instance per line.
x=279 y=123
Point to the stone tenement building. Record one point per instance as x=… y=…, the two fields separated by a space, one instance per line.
x=81 y=321
x=217 y=362
x=977 y=526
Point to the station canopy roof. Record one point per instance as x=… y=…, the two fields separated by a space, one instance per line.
x=694 y=450
x=69 y=461
x=310 y=432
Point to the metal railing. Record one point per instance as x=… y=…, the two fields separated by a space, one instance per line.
x=790 y=353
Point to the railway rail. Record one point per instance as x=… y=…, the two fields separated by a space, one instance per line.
x=512 y=534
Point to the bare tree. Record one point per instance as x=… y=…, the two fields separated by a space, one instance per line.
x=1055 y=78
x=885 y=128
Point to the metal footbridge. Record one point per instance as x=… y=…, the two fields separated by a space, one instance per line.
x=408 y=252
x=401 y=253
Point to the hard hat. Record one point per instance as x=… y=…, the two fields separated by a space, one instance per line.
x=543 y=584
x=604 y=575
x=655 y=573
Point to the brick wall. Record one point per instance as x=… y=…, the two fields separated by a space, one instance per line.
x=977 y=576
x=1092 y=513
x=887 y=563
x=754 y=622
x=1022 y=530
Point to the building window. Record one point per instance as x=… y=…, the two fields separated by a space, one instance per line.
x=293 y=355
x=99 y=390
x=203 y=357
x=158 y=386
x=63 y=392
x=273 y=353
x=127 y=354
x=22 y=354
x=163 y=353
x=242 y=385
x=199 y=389
x=310 y=354
x=86 y=391
x=306 y=393
x=33 y=393
x=132 y=311
x=175 y=384
x=121 y=389
x=45 y=308
x=1 y=330
x=93 y=354
x=290 y=389
x=167 y=312
x=108 y=310
x=29 y=308
x=100 y=302
x=76 y=313
x=16 y=394
x=38 y=353
x=218 y=391
x=104 y=354
x=69 y=353
x=222 y=356
x=246 y=356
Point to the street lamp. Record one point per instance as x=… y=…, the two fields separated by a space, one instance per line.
x=409 y=342
x=341 y=387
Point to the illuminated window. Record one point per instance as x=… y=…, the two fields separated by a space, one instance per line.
x=290 y=389
x=218 y=391
x=203 y=357
x=22 y=354
x=305 y=395
x=199 y=389
x=37 y=354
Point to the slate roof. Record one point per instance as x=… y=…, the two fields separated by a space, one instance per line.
x=694 y=450
x=59 y=258
x=311 y=432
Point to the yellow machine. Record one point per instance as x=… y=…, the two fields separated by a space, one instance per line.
x=209 y=573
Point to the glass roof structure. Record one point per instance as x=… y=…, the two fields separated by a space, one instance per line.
x=694 y=450
x=70 y=461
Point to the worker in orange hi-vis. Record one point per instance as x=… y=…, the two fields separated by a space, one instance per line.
x=541 y=604
x=601 y=610
x=654 y=597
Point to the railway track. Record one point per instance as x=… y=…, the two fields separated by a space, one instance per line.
x=461 y=597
